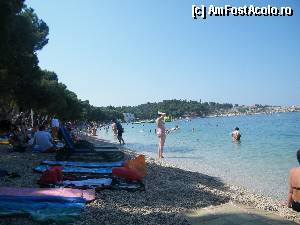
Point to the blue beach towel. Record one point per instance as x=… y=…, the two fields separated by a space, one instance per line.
x=48 y=209
x=84 y=164
x=70 y=169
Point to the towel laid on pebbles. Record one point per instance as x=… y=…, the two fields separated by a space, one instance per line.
x=58 y=205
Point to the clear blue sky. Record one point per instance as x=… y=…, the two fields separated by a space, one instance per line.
x=128 y=52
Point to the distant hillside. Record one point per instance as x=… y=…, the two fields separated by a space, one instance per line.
x=175 y=108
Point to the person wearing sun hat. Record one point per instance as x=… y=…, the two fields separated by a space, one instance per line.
x=161 y=132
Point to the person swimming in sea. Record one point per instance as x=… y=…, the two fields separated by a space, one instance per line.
x=236 y=135
x=173 y=129
x=294 y=187
x=176 y=127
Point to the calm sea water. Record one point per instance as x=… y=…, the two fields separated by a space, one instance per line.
x=260 y=162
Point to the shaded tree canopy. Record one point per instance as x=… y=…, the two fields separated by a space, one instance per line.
x=23 y=84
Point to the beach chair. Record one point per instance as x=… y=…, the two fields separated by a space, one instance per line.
x=81 y=145
x=87 y=151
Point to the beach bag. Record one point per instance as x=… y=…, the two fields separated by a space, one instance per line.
x=19 y=148
x=133 y=170
x=127 y=174
x=138 y=164
x=52 y=176
x=3 y=173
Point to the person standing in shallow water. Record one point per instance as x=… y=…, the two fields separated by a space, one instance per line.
x=161 y=133
x=236 y=135
x=119 y=131
x=114 y=128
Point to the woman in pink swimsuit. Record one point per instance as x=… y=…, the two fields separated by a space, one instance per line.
x=161 y=133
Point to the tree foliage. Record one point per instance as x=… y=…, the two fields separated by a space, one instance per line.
x=23 y=84
x=175 y=108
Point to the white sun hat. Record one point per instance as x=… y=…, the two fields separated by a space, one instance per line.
x=161 y=113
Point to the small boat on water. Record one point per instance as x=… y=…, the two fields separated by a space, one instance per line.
x=137 y=122
x=168 y=119
x=150 y=121
x=143 y=121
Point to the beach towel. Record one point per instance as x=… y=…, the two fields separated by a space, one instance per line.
x=102 y=182
x=88 y=195
x=44 y=209
x=84 y=164
x=132 y=186
x=70 y=169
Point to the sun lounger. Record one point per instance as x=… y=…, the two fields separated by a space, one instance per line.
x=83 y=145
x=91 y=154
x=100 y=154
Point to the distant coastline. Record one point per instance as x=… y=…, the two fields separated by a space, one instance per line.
x=187 y=109
x=250 y=110
x=222 y=112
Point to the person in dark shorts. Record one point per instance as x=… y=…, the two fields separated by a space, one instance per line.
x=120 y=131
x=294 y=187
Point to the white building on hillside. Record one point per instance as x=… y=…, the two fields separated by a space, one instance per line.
x=129 y=117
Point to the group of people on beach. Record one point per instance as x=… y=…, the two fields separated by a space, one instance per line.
x=39 y=135
x=24 y=136
x=43 y=138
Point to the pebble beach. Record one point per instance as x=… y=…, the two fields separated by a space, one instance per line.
x=170 y=193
